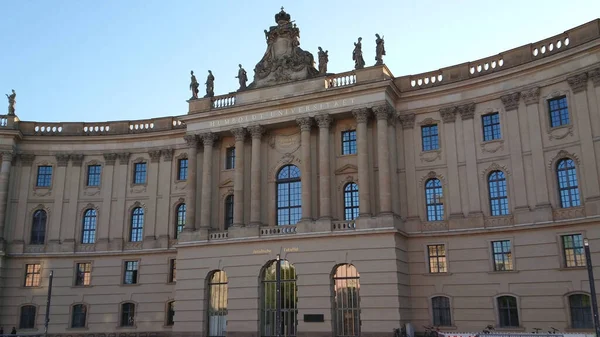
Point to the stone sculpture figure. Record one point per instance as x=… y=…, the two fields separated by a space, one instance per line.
x=357 y=56
x=210 y=85
x=323 y=60
x=379 y=50
x=12 y=99
x=242 y=77
x=194 y=86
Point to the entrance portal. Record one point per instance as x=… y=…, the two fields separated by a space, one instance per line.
x=279 y=297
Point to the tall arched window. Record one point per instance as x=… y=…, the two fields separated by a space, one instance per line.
x=434 y=199
x=568 y=188
x=288 y=299
x=440 y=307
x=497 y=193
x=228 y=211
x=350 y=201
x=27 y=317
x=346 y=301
x=128 y=314
x=289 y=195
x=217 y=304
x=180 y=219
x=38 y=227
x=508 y=313
x=88 y=233
x=78 y=315
x=581 y=311
x=137 y=225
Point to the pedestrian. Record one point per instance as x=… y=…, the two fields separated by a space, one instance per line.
x=14 y=331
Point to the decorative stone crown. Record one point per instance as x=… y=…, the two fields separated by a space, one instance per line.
x=282 y=17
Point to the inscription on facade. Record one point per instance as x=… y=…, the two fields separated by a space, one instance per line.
x=263 y=251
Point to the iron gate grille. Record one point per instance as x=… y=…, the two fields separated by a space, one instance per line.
x=288 y=300
x=346 y=311
x=217 y=306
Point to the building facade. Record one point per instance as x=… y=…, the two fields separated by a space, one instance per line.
x=457 y=198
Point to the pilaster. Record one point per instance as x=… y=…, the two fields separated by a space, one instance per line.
x=208 y=139
x=364 y=196
x=106 y=188
x=120 y=224
x=150 y=220
x=7 y=157
x=467 y=111
x=256 y=132
x=305 y=124
x=324 y=123
x=449 y=118
x=238 y=177
x=69 y=229
x=190 y=192
x=382 y=114
x=59 y=181
x=408 y=124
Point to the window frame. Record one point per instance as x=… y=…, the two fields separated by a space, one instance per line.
x=170 y=318
x=91 y=238
x=290 y=207
x=72 y=316
x=180 y=218
x=44 y=177
x=141 y=174
x=33 y=228
x=494 y=126
x=350 y=141
x=559 y=110
x=230 y=154
x=437 y=257
x=581 y=254
x=433 y=139
x=351 y=197
x=122 y=312
x=93 y=174
x=138 y=229
x=182 y=171
x=33 y=273
x=503 y=253
x=434 y=309
x=437 y=207
x=34 y=318
x=501 y=198
x=582 y=308
x=569 y=188
x=76 y=274
x=136 y=272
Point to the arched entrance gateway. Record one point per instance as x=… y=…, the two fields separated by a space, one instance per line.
x=279 y=299
x=217 y=304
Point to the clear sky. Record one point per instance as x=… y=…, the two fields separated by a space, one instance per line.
x=89 y=60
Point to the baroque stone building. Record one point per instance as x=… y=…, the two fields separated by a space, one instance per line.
x=459 y=197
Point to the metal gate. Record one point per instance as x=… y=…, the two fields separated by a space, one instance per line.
x=346 y=301
x=279 y=297
x=217 y=304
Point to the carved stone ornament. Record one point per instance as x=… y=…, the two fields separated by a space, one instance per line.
x=191 y=140
x=561 y=155
x=382 y=111
x=123 y=157
x=578 y=83
x=62 y=159
x=448 y=114
x=511 y=101
x=208 y=138
x=26 y=158
x=323 y=121
x=77 y=159
x=305 y=123
x=361 y=115
x=7 y=156
x=110 y=158
x=531 y=96
x=407 y=120
x=167 y=154
x=154 y=156
x=256 y=131
x=284 y=60
x=239 y=134
x=466 y=111
x=595 y=76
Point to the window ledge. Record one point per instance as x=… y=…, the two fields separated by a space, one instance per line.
x=492 y=141
x=437 y=274
x=572 y=268
x=130 y=284
x=77 y=329
x=509 y=329
x=347 y=155
x=119 y=327
x=82 y=286
x=502 y=272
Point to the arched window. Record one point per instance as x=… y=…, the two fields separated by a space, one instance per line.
x=137 y=225
x=288 y=299
x=508 y=314
x=217 y=304
x=78 y=316
x=568 y=188
x=346 y=301
x=228 y=211
x=88 y=234
x=440 y=306
x=170 y=313
x=350 y=201
x=128 y=314
x=38 y=227
x=581 y=311
x=180 y=219
x=27 y=317
x=289 y=195
x=497 y=193
x=434 y=200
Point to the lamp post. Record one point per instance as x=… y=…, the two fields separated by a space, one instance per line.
x=48 y=298
x=588 y=263
x=278 y=297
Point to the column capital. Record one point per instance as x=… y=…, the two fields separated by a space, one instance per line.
x=578 y=83
x=466 y=111
x=256 y=131
x=511 y=101
x=448 y=114
x=27 y=158
x=110 y=158
x=239 y=134
x=7 y=155
x=531 y=96
x=62 y=159
x=77 y=159
x=323 y=121
x=595 y=76
x=154 y=156
x=361 y=115
x=208 y=138
x=167 y=154
x=123 y=157
x=407 y=120
x=191 y=140
x=305 y=123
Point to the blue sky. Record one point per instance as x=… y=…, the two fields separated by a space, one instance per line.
x=84 y=60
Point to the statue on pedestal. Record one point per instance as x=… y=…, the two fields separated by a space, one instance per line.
x=357 y=55
x=323 y=60
x=194 y=86
x=242 y=77
x=379 y=50
x=12 y=99
x=210 y=85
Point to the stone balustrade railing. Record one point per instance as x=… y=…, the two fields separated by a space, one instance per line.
x=340 y=80
x=223 y=101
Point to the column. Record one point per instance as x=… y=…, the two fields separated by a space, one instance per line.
x=324 y=122
x=382 y=114
x=364 y=195
x=22 y=215
x=256 y=131
x=467 y=111
x=152 y=178
x=62 y=160
x=4 y=174
x=70 y=227
x=208 y=139
x=119 y=226
x=408 y=124
x=190 y=192
x=449 y=117
x=532 y=100
x=305 y=124
x=511 y=106
x=393 y=141
x=165 y=220
x=106 y=192
x=238 y=177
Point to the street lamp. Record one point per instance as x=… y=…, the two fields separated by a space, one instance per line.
x=588 y=263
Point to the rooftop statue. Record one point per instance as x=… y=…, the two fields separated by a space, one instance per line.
x=12 y=99
x=194 y=86
x=210 y=84
x=283 y=61
x=379 y=50
x=242 y=77
x=323 y=60
x=359 y=61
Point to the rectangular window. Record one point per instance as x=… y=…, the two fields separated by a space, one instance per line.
x=559 y=112
x=83 y=274
x=131 y=272
x=491 y=126
x=230 y=158
x=349 y=142
x=502 y=255
x=44 y=176
x=429 y=135
x=139 y=173
x=182 y=172
x=172 y=271
x=93 y=175
x=33 y=275
x=573 y=250
x=437 y=258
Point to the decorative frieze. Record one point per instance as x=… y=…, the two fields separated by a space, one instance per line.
x=191 y=140
x=511 y=101
x=123 y=157
x=62 y=159
x=154 y=156
x=361 y=115
x=407 y=120
x=595 y=76
x=167 y=154
x=466 y=111
x=256 y=131
x=448 y=114
x=110 y=158
x=531 y=96
x=77 y=159
x=578 y=83
x=323 y=121
x=239 y=134
x=208 y=138
x=304 y=123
